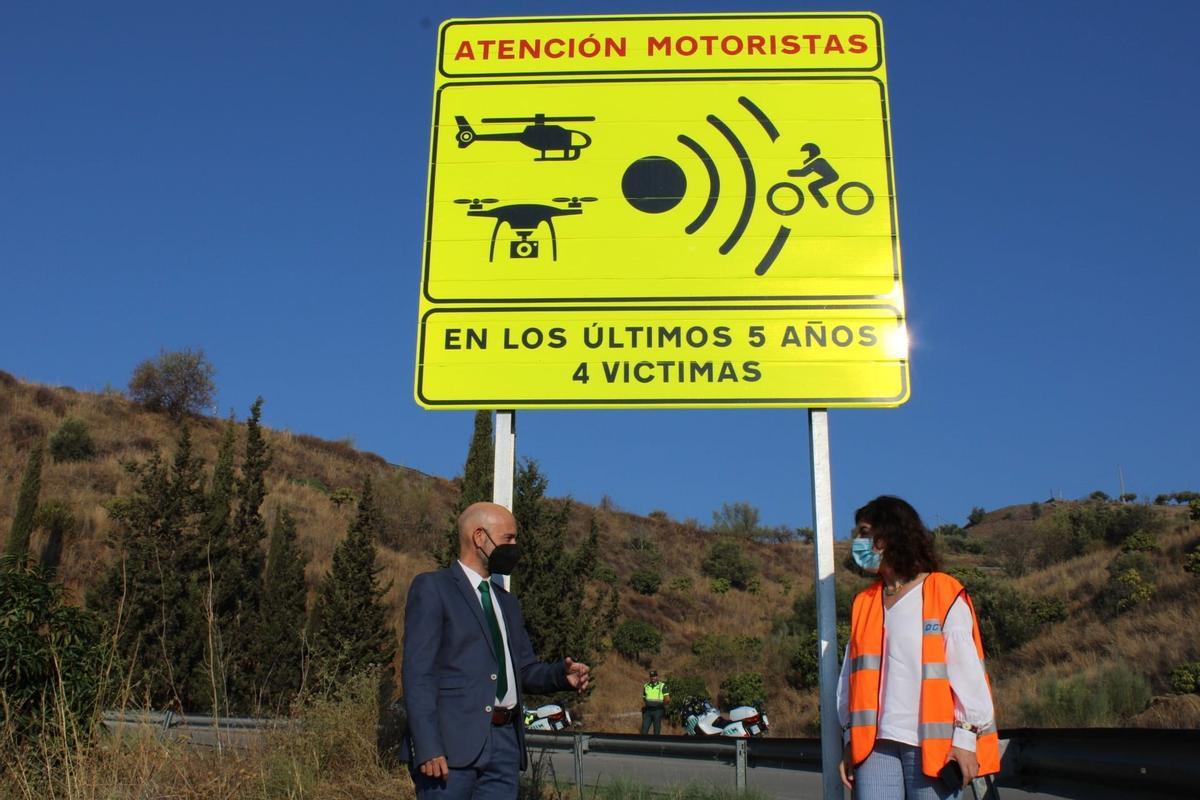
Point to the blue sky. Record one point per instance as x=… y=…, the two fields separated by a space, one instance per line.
x=249 y=178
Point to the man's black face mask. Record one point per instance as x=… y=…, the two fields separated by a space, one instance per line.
x=503 y=558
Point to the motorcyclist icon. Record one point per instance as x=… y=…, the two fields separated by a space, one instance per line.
x=786 y=198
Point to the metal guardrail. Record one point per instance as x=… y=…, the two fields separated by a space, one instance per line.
x=1138 y=762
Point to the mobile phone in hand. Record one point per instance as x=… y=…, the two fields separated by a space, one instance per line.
x=951 y=775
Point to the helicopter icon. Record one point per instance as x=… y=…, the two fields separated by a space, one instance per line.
x=553 y=142
x=524 y=219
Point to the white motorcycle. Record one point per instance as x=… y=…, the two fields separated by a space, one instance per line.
x=550 y=717
x=703 y=719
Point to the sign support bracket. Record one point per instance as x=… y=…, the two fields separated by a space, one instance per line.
x=827 y=655
x=505 y=463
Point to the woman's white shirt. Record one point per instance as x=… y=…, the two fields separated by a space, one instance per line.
x=900 y=678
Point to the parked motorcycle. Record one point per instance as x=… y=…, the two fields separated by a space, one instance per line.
x=550 y=717
x=701 y=718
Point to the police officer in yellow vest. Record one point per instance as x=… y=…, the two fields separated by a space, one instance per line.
x=654 y=703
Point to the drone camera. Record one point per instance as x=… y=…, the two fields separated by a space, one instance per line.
x=523 y=248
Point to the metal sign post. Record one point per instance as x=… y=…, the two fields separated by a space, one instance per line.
x=505 y=463
x=822 y=503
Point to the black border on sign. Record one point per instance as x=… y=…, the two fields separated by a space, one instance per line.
x=508 y=402
x=891 y=193
x=658 y=18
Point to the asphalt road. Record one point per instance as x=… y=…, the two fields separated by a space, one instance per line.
x=774 y=782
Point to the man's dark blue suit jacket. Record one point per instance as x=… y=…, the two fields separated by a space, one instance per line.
x=449 y=668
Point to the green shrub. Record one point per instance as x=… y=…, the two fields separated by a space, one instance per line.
x=683 y=689
x=1110 y=697
x=72 y=442
x=1035 y=510
x=960 y=545
x=1194 y=510
x=681 y=584
x=645 y=581
x=634 y=637
x=726 y=558
x=1007 y=617
x=719 y=585
x=1094 y=524
x=343 y=496
x=51 y=657
x=1191 y=563
x=1185 y=678
x=718 y=651
x=976 y=516
x=804 y=609
x=1130 y=583
x=736 y=519
x=804 y=670
x=744 y=689
x=1140 y=542
x=1131 y=589
x=178 y=383
x=606 y=573
x=312 y=483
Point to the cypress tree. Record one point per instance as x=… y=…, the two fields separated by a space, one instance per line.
x=241 y=571
x=283 y=617
x=57 y=520
x=149 y=595
x=217 y=599
x=350 y=629
x=219 y=500
x=16 y=547
x=567 y=609
x=477 y=481
x=480 y=467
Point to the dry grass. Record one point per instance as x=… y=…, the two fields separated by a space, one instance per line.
x=329 y=754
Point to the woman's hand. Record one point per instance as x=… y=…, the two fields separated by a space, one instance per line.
x=846 y=769
x=966 y=761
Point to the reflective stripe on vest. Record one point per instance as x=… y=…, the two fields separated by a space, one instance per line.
x=865 y=662
x=935 y=730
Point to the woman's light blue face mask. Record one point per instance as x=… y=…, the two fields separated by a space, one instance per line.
x=863 y=551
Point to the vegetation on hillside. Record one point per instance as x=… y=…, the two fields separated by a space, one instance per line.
x=1070 y=593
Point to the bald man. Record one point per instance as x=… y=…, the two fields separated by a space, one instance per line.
x=467 y=664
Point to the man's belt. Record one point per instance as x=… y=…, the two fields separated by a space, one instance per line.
x=502 y=716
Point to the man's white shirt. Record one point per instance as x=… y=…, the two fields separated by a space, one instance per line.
x=510 y=698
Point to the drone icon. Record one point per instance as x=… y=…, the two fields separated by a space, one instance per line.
x=553 y=142
x=524 y=219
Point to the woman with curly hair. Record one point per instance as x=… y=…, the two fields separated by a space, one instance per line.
x=913 y=697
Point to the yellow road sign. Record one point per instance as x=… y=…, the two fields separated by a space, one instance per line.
x=624 y=165
x=663 y=356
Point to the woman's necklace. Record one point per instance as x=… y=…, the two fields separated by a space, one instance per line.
x=893 y=589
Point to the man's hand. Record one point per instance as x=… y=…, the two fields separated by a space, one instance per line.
x=578 y=675
x=436 y=767
x=967 y=761
x=846 y=769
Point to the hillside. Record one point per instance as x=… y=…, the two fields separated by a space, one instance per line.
x=1039 y=571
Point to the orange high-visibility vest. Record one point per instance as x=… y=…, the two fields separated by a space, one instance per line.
x=935 y=723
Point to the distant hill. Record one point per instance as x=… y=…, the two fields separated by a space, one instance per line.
x=1041 y=571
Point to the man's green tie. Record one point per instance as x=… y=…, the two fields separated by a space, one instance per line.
x=497 y=639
